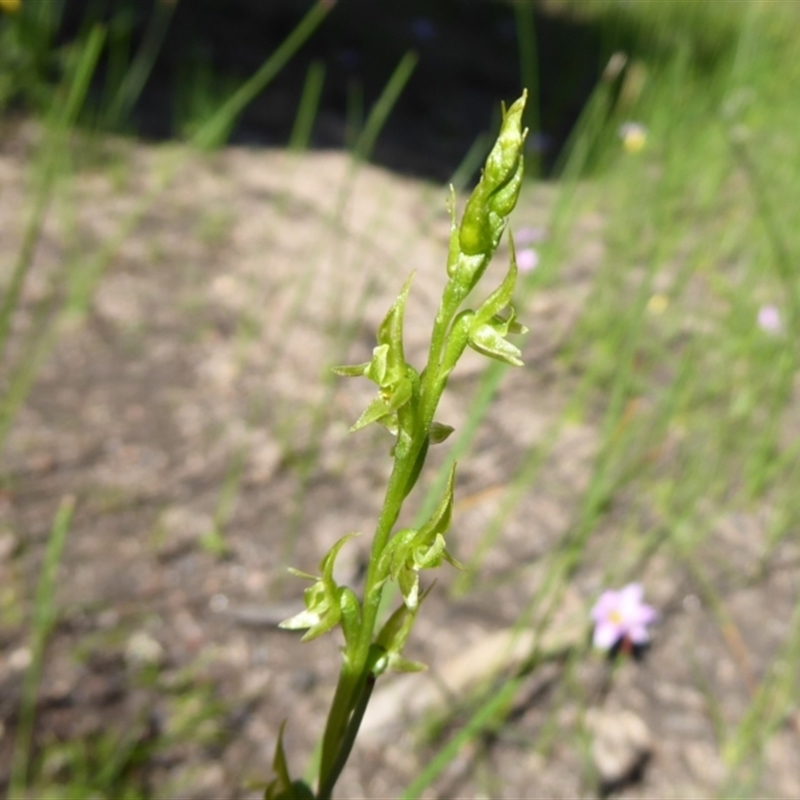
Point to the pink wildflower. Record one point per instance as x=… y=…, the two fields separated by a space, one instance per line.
x=769 y=319
x=621 y=616
x=527 y=260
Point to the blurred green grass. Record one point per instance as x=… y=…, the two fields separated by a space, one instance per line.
x=692 y=394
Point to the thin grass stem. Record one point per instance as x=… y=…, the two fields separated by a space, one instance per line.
x=43 y=620
x=214 y=132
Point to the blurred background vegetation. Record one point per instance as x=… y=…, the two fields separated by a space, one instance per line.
x=699 y=224
x=167 y=65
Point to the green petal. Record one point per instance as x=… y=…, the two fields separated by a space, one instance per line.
x=400 y=664
x=377 y=409
x=486 y=340
x=351 y=370
x=301 y=621
x=440 y=520
x=382 y=406
x=408 y=580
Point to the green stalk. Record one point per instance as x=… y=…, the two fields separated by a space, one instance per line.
x=61 y=120
x=471 y=730
x=354 y=665
x=44 y=617
x=343 y=720
x=142 y=65
x=413 y=400
x=326 y=789
x=529 y=72
x=215 y=131
x=386 y=102
x=309 y=104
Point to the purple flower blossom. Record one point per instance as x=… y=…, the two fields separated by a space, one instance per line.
x=769 y=319
x=527 y=260
x=621 y=616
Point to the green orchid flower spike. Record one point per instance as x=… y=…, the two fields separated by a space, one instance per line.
x=406 y=405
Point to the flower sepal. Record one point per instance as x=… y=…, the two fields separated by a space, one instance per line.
x=489 y=327
x=439 y=432
x=385 y=406
x=412 y=550
x=500 y=298
x=395 y=379
x=392 y=639
x=327 y=603
x=489 y=339
x=352 y=370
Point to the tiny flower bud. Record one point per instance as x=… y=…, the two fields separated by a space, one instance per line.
x=496 y=193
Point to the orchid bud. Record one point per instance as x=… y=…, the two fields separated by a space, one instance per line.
x=496 y=194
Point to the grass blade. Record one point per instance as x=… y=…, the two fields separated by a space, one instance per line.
x=142 y=64
x=383 y=106
x=62 y=119
x=309 y=105
x=214 y=132
x=44 y=617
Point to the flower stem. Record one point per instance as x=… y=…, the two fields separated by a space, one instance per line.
x=349 y=704
x=415 y=399
x=355 y=667
x=349 y=737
